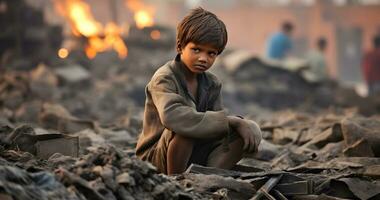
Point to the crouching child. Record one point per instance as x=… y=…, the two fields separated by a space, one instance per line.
x=184 y=121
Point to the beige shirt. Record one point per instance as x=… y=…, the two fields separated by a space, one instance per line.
x=169 y=106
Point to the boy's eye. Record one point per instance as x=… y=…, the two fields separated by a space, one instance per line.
x=196 y=50
x=212 y=54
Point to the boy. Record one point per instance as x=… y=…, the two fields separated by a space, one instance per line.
x=280 y=43
x=371 y=67
x=183 y=120
x=317 y=71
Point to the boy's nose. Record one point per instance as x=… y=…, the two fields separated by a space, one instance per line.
x=202 y=58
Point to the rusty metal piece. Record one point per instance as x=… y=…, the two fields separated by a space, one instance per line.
x=279 y=195
x=296 y=188
x=267 y=187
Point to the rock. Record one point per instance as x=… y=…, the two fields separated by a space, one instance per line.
x=356 y=129
x=43 y=83
x=56 y=117
x=88 y=138
x=57 y=160
x=361 y=148
x=40 y=185
x=330 y=135
x=72 y=74
x=205 y=183
x=267 y=151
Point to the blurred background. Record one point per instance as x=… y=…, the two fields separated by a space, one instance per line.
x=348 y=25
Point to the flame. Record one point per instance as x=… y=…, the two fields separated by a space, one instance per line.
x=83 y=23
x=63 y=53
x=143 y=15
x=112 y=32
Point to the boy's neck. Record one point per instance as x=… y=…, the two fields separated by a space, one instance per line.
x=189 y=75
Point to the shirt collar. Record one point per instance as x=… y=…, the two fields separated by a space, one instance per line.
x=204 y=84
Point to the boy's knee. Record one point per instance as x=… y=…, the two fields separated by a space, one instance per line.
x=181 y=141
x=236 y=145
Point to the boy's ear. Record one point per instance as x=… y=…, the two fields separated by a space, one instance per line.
x=179 y=49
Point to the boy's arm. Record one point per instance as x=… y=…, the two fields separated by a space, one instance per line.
x=248 y=130
x=180 y=118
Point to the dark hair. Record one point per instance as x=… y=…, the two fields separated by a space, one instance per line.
x=321 y=43
x=287 y=27
x=202 y=27
x=376 y=41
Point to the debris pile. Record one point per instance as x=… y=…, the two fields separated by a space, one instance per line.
x=302 y=156
x=251 y=80
x=105 y=172
x=16 y=183
x=330 y=156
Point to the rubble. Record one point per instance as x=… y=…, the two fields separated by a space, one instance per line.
x=16 y=183
x=104 y=173
x=72 y=74
x=68 y=129
x=317 y=155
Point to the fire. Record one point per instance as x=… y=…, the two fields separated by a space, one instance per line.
x=83 y=23
x=143 y=15
x=143 y=19
x=63 y=53
x=112 y=32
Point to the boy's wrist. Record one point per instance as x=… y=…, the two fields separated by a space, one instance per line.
x=234 y=121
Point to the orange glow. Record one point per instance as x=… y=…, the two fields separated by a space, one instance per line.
x=143 y=19
x=155 y=34
x=143 y=15
x=90 y=52
x=83 y=23
x=112 y=32
x=63 y=53
x=83 y=20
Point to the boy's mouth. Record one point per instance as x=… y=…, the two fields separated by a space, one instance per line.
x=204 y=67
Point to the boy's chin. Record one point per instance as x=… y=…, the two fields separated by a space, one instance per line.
x=199 y=70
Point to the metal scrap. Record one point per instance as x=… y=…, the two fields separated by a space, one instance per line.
x=265 y=189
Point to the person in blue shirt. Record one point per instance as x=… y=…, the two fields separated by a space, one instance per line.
x=280 y=43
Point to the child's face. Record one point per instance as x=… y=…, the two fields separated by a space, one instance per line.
x=198 y=57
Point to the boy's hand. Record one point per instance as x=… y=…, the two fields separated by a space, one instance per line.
x=249 y=131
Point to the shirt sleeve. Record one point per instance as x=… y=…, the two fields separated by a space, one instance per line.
x=181 y=118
